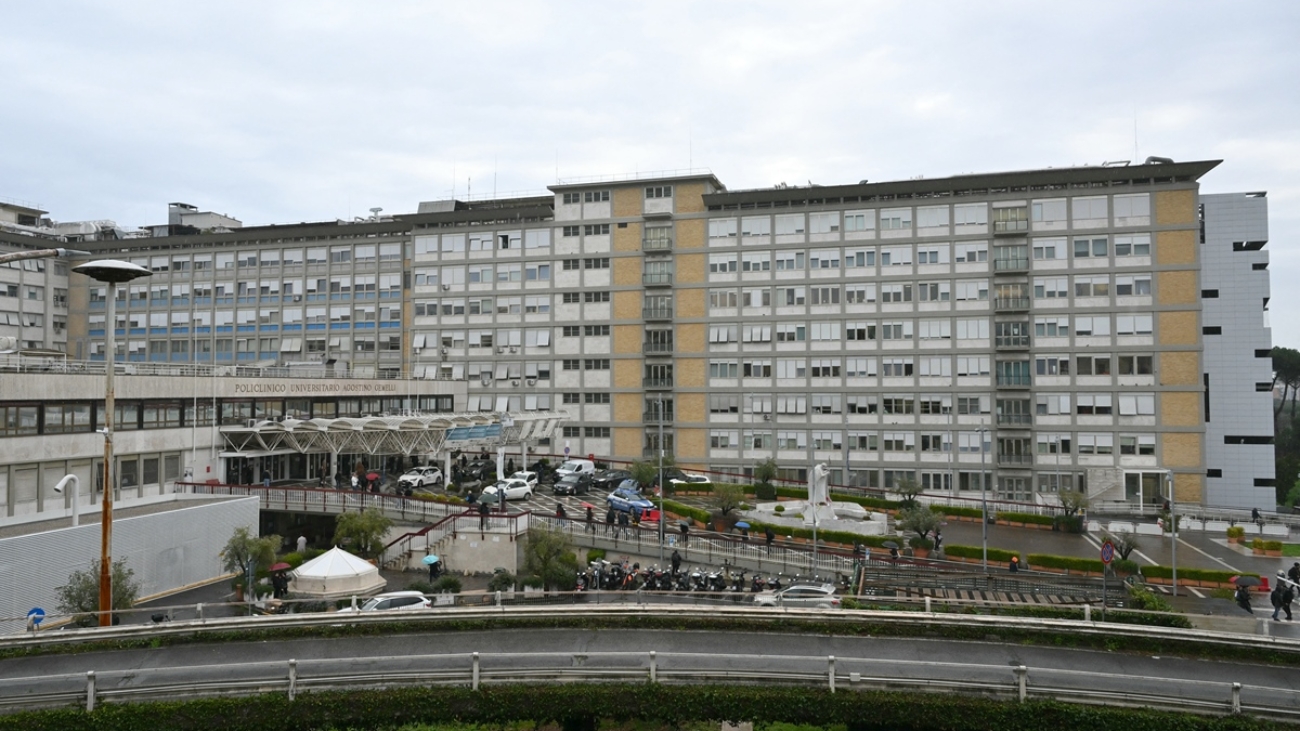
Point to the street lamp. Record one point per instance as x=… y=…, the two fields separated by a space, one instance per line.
x=660 y=403
x=40 y=254
x=1173 y=531
x=984 y=502
x=112 y=272
x=76 y=494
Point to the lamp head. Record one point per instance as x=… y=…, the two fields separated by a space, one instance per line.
x=112 y=270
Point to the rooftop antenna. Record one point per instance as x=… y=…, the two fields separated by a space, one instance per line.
x=1135 y=133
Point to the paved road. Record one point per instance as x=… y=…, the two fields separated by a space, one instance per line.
x=716 y=653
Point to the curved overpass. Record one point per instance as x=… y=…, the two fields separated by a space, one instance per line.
x=996 y=665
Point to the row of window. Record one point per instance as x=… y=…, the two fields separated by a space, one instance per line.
x=343 y=254
x=932 y=329
x=1010 y=411
x=966 y=442
x=966 y=252
x=1048 y=214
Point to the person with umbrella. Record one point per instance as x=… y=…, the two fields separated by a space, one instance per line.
x=591 y=516
x=744 y=530
x=893 y=550
x=435 y=567
x=279 y=582
x=1243 y=592
x=685 y=527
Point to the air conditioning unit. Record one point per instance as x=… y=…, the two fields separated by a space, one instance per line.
x=297 y=298
x=445 y=351
x=531 y=381
x=251 y=422
x=515 y=383
x=767 y=417
x=514 y=349
x=501 y=348
x=485 y=378
x=446 y=287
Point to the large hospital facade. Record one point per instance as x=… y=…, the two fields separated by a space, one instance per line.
x=1095 y=328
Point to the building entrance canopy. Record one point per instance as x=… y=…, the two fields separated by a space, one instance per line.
x=407 y=434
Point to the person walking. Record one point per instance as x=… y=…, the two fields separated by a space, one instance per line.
x=1275 y=598
x=561 y=515
x=302 y=545
x=1288 y=596
x=1257 y=520
x=591 y=524
x=677 y=561
x=1014 y=566
x=435 y=568
x=1243 y=598
x=686 y=529
x=768 y=537
x=483 y=509
x=938 y=540
x=1294 y=573
x=622 y=526
x=609 y=521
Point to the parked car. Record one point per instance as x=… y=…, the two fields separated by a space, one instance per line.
x=627 y=497
x=690 y=479
x=670 y=474
x=418 y=477
x=572 y=466
x=512 y=489
x=575 y=484
x=392 y=601
x=526 y=476
x=609 y=479
x=800 y=595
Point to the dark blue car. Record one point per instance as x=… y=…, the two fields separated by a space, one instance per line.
x=627 y=497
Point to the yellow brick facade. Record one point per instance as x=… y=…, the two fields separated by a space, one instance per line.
x=690 y=338
x=690 y=234
x=691 y=408
x=1189 y=488
x=627 y=408
x=627 y=239
x=690 y=269
x=1174 y=207
x=1180 y=368
x=1177 y=288
x=628 y=202
x=627 y=305
x=690 y=372
x=627 y=373
x=692 y=444
x=627 y=339
x=1180 y=408
x=1175 y=247
x=627 y=271
x=689 y=197
x=627 y=440
x=1181 y=450
x=1178 y=328
x=690 y=304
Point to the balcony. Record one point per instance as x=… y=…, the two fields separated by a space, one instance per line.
x=656 y=383
x=1014 y=227
x=657 y=279
x=1011 y=342
x=1015 y=420
x=656 y=313
x=1015 y=459
x=1014 y=381
x=1011 y=303
x=657 y=244
x=1011 y=264
x=652 y=453
x=652 y=416
x=657 y=348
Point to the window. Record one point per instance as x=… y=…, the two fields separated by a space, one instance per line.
x=1045 y=211
x=1052 y=404
x=570 y=231
x=1133 y=245
x=723 y=333
x=572 y=198
x=895 y=255
x=898 y=441
x=1136 y=365
x=1091 y=247
x=724 y=369
x=825 y=368
x=791 y=368
x=1052 y=365
x=1051 y=287
x=932 y=255
x=722 y=228
x=896 y=293
x=756 y=297
x=822 y=223
x=896 y=219
x=972 y=365
x=724 y=403
x=790 y=261
x=596 y=196
x=1094 y=404
x=1045 y=249
x=931 y=216
x=897 y=330
x=1092 y=365
x=1052 y=327
x=1096 y=444
x=592 y=297
x=598 y=397
x=972 y=289
x=1133 y=210
x=722 y=263
x=855 y=259
x=973 y=329
x=1096 y=286
x=824 y=259
x=791 y=296
x=595 y=229
x=1137 y=404
x=973 y=405
x=970 y=253
x=755 y=226
x=860 y=367
x=659 y=191
x=791 y=332
x=789 y=224
x=1092 y=326
x=970 y=214
x=595 y=330
x=934 y=330
x=756 y=369
x=859 y=220
x=859 y=293
x=757 y=262
x=1128 y=285
x=723 y=298
x=1090 y=212
x=1137 y=444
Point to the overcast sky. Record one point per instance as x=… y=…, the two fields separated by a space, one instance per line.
x=277 y=112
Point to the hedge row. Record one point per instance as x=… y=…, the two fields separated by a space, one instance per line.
x=997 y=555
x=1070 y=563
x=1166 y=572
x=570 y=706
x=686 y=511
x=1033 y=518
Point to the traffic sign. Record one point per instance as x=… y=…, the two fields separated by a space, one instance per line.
x=566 y=451
x=1107 y=552
x=36 y=616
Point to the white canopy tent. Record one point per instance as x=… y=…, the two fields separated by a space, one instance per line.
x=336 y=574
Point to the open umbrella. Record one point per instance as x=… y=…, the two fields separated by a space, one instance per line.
x=890 y=544
x=372 y=476
x=588 y=505
x=282 y=566
x=430 y=560
x=1246 y=580
x=742 y=524
x=684 y=522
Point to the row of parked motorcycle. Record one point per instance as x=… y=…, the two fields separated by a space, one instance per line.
x=613 y=576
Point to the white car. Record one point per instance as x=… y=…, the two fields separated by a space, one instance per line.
x=801 y=595
x=690 y=479
x=401 y=601
x=511 y=488
x=417 y=477
x=529 y=477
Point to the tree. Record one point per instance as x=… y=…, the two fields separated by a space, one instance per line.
x=726 y=497
x=363 y=532
x=765 y=471
x=920 y=520
x=644 y=473
x=907 y=490
x=243 y=547
x=1286 y=370
x=80 y=596
x=1073 y=501
x=1125 y=544
x=548 y=555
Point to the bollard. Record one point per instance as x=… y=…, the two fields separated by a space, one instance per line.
x=1263 y=627
x=293 y=678
x=654 y=668
x=474 y=677
x=1087 y=612
x=1236 y=698
x=199 y=610
x=830 y=662
x=927 y=605
x=1022 y=680
x=498 y=597
x=90 y=690
x=640 y=600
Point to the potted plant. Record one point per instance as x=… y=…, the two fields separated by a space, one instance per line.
x=920 y=546
x=1272 y=548
x=1236 y=533
x=1257 y=546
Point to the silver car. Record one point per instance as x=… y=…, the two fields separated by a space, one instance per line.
x=800 y=595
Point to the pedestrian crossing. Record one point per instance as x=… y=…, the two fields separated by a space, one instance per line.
x=973 y=597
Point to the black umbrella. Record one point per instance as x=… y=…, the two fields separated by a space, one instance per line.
x=684 y=522
x=889 y=544
x=1246 y=580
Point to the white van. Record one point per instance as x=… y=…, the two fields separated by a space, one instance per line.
x=575 y=467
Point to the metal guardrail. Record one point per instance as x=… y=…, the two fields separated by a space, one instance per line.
x=476 y=669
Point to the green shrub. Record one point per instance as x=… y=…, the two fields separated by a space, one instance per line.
x=1215 y=575
x=501 y=581
x=1141 y=598
x=686 y=511
x=1068 y=523
x=779 y=509
x=1068 y=563
x=919 y=542
x=1257 y=544
x=1272 y=545
x=1030 y=518
x=1236 y=531
x=764 y=491
x=996 y=555
x=421 y=586
x=448 y=584
x=952 y=510
x=595 y=554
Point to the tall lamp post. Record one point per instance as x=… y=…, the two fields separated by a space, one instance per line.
x=1173 y=531
x=111 y=272
x=660 y=403
x=984 y=503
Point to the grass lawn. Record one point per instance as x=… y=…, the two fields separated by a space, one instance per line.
x=1291 y=549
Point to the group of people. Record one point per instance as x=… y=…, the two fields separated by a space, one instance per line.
x=1281 y=597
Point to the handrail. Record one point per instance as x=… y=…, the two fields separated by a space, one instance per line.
x=1076 y=686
